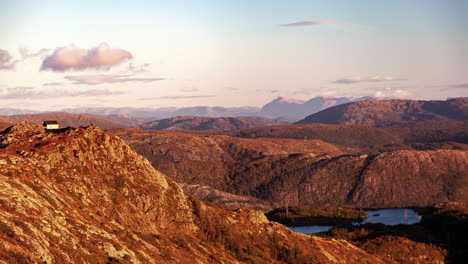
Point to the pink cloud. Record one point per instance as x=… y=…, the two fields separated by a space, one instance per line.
x=31 y=93
x=74 y=58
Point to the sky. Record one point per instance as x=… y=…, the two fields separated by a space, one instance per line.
x=67 y=54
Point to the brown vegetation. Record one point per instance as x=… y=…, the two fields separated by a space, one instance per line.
x=208 y=123
x=83 y=196
x=75 y=120
x=391 y=112
x=308 y=172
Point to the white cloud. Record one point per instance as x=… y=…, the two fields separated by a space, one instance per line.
x=31 y=93
x=175 y=97
x=392 y=93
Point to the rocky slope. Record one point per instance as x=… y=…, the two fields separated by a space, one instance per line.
x=126 y=121
x=308 y=172
x=208 y=123
x=227 y=200
x=83 y=196
x=391 y=179
x=65 y=120
x=423 y=135
x=391 y=112
x=348 y=135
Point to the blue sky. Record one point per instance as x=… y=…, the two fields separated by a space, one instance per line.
x=230 y=53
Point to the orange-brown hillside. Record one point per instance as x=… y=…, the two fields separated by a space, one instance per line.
x=75 y=120
x=307 y=172
x=208 y=123
x=391 y=112
x=83 y=196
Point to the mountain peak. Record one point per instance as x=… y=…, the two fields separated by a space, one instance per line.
x=282 y=99
x=376 y=112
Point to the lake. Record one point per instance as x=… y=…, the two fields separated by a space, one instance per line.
x=384 y=216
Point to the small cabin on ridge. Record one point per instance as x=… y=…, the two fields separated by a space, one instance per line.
x=51 y=124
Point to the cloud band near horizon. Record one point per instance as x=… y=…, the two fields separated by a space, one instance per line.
x=311 y=23
x=31 y=93
x=107 y=78
x=359 y=79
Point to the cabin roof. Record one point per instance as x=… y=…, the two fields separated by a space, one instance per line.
x=50 y=122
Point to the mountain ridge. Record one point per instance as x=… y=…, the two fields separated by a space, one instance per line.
x=80 y=195
x=391 y=112
x=270 y=168
x=208 y=123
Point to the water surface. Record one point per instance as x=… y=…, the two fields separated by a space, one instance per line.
x=385 y=216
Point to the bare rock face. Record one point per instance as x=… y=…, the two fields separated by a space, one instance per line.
x=227 y=200
x=83 y=196
x=417 y=177
x=391 y=179
x=391 y=112
x=76 y=120
x=304 y=172
x=24 y=128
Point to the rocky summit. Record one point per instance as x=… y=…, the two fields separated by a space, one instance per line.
x=391 y=112
x=79 y=195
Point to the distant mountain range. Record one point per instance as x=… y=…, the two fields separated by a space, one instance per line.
x=285 y=108
x=327 y=110
x=166 y=112
x=209 y=123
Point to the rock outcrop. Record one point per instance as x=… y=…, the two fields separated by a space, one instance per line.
x=391 y=112
x=76 y=120
x=307 y=172
x=79 y=195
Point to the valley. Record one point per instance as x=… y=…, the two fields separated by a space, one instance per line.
x=117 y=188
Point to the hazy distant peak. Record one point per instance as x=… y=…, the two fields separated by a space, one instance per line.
x=288 y=107
x=282 y=99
